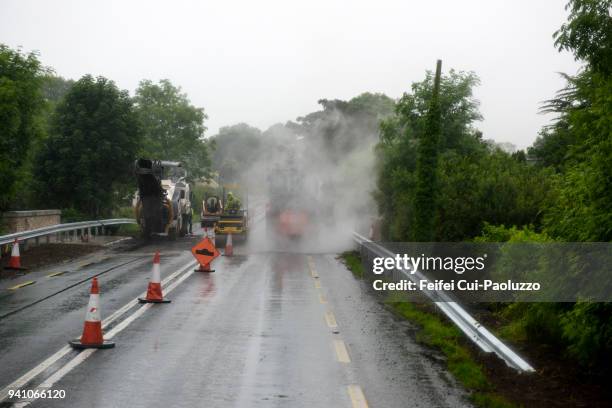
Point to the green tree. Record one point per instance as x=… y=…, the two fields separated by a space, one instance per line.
x=236 y=148
x=400 y=135
x=582 y=205
x=343 y=126
x=488 y=186
x=173 y=129
x=21 y=102
x=588 y=33
x=53 y=90
x=86 y=162
x=55 y=87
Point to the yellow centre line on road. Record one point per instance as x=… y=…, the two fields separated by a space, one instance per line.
x=357 y=398
x=21 y=285
x=355 y=392
x=311 y=266
x=341 y=352
x=331 y=320
x=54 y=274
x=85 y=264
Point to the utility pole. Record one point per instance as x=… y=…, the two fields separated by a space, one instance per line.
x=425 y=203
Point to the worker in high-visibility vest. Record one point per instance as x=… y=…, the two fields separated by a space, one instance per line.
x=233 y=203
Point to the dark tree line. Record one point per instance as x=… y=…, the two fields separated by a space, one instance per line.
x=71 y=144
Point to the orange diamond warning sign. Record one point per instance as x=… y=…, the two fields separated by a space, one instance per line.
x=205 y=251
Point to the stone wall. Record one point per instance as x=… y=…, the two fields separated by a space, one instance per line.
x=17 y=221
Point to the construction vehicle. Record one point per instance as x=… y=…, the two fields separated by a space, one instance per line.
x=163 y=201
x=233 y=218
x=289 y=211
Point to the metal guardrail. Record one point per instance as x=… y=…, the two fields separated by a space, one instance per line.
x=61 y=228
x=468 y=325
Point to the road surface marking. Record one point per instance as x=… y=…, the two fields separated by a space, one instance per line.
x=322 y=299
x=311 y=266
x=27 y=377
x=84 y=355
x=317 y=284
x=341 y=352
x=331 y=320
x=21 y=285
x=85 y=264
x=54 y=274
x=357 y=398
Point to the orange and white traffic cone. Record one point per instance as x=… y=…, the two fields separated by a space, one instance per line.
x=15 y=261
x=154 y=291
x=229 y=248
x=92 y=330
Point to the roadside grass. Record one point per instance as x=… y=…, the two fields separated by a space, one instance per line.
x=352 y=260
x=443 y=336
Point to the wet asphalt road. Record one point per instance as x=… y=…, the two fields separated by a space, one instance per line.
x=277 y=329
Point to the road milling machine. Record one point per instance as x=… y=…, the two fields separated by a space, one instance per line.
x=163 y=201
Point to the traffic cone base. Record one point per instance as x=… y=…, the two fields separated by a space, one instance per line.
x=145 y=300
x=80 y=346
x=204 y=268
x=15 y=268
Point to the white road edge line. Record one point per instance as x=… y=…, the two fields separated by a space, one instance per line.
x=59 y=374
x=30 y=375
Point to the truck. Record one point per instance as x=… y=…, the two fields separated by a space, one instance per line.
x=289 y=212
x=162 y=203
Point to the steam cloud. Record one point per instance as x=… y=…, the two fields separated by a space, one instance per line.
x=332 y=152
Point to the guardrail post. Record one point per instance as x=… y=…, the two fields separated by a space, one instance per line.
x=48 y=239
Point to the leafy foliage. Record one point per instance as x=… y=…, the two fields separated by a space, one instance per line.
x=21 y=102
x=459 y=145
x=235 y=150
x=173 y=129
x=342 y=126
x=488 y=186
x=588 y=33
x=86 y=162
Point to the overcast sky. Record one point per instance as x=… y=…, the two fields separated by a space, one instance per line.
x=263 y=62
